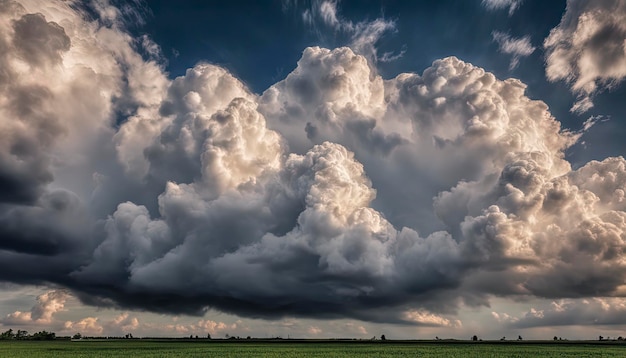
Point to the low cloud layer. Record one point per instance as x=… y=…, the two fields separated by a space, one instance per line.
x=570 y=312
x=588 y=49
x=335 y=193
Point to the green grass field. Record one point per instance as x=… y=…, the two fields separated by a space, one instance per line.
x=158 y=348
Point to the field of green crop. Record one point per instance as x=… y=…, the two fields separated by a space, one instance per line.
x=154 y=349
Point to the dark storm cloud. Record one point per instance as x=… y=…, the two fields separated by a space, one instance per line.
x=334 y=193
x=29 y=127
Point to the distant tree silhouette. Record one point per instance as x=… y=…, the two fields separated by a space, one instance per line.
x=556 y=338
x=474 y=338
x=600 y=338
x=23 y=335
x=7 y=334
x=43 y=336
x=503 y=339
x=208 y=336
x=383 y=338
x=77 y=336
x=519 y=338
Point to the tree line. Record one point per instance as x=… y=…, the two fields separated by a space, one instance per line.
x=24 y=335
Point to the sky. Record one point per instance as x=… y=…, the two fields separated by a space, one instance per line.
x=313 y=169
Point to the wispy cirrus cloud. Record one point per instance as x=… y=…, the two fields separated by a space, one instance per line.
x=512 y=5
x=364 y=35
x=516 y=47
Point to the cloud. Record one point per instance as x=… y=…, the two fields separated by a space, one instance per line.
x=364 y=35
x=45 y=314
x=202 y=327
x=593 y=120
x=124 y=323
x=502 y=4
x=423 y=317
x=60 y=102
x=38 y=41
x=88 y=326
x=516 y=47
x=571 y=312
x=587 y=49
x=334 y=193
x=328 y=13
x=48 y=304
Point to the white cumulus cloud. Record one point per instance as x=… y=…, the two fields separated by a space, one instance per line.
x=48 y=304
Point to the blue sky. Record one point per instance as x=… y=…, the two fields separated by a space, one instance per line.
x=313 y=168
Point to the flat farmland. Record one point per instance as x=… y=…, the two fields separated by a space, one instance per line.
x=286 y=349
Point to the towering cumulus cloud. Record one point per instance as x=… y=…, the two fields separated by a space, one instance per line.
x=334 y=193
x=588 y=48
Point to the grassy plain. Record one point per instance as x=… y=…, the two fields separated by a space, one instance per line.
x=287 y=349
